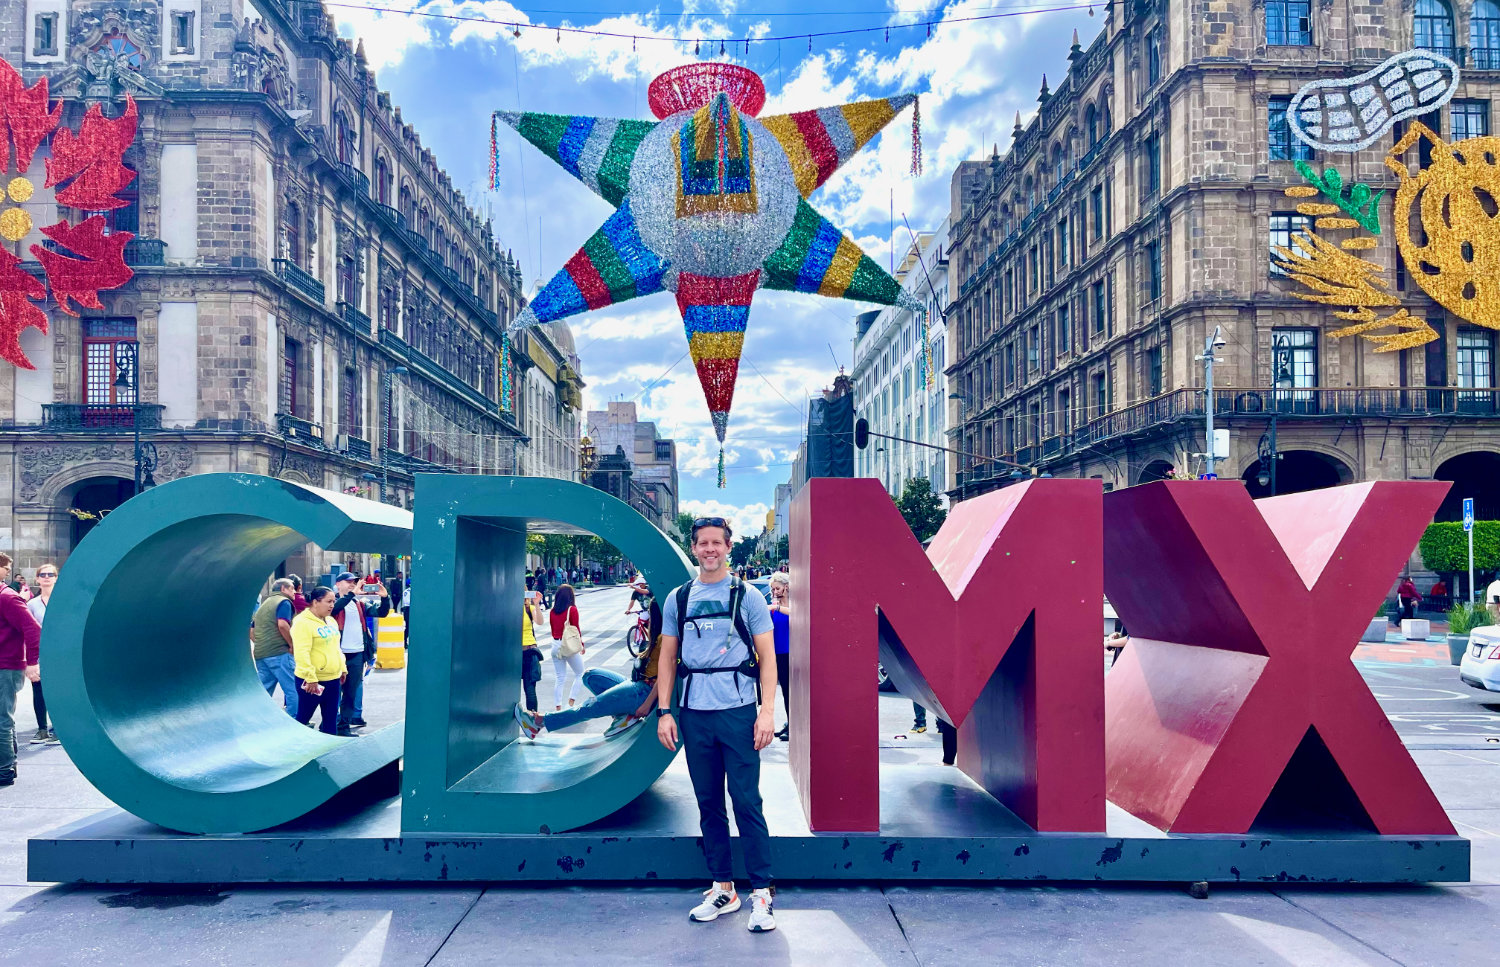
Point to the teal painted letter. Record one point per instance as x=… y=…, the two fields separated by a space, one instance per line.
x=466 y=770
x=149 y=674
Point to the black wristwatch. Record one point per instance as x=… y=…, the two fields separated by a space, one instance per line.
x=663 y=711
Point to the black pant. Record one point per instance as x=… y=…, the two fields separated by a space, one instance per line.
x=950 y=742
x=406 y=630
x=784 y=675
x=721 y=750
x=355 y=665
x=328 y=703
x=1408 y=608
x=39 y=705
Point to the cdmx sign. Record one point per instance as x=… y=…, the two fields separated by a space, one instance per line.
x=1235 y=701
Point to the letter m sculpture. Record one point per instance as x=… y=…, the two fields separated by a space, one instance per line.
x=996 y=629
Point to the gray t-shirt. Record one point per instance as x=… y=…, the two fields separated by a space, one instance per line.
x=712 y=643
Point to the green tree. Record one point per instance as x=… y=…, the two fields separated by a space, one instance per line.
x=783 y=549
x=923 y=511
x=685 y=531
x=1445 y=548
x=742 y=552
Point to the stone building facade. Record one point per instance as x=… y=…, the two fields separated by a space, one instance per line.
x=891 y=350
x=1135 y=213
x=552 y=401
x=305 y=275
x=630 y=448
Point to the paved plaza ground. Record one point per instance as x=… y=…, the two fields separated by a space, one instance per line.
x=1454 y=733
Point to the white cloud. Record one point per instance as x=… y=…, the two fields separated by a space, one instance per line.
x=746 y=520
x=973 y=78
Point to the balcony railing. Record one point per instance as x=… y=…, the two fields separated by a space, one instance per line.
x=356 y=447
x=303 y=282
x=395 y=217
x=101 y=417
x=145 y=251
x=355 y=177
x=303 y=431
x=1233 y=405
x=353 y=318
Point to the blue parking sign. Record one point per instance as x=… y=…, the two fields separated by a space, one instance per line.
x=1468 y=513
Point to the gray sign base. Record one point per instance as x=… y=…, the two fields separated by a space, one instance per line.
x=936 y=826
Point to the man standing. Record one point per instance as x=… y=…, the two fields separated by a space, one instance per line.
x=299 y=603
x=271 y=642
x=726 y=641
x=20 y=645
x=355 y=641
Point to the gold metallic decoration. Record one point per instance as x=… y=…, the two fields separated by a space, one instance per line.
x=20 y=189
x=1315 y=208
x=1456 y=197
x=1336 y=277
x=14 y=224
x=1410 y=332
x=1358 y=244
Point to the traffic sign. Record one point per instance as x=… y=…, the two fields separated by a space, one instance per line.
x=1468 y=513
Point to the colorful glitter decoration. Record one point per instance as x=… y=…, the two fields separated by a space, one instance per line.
x=88 y=170
x=711 y=204
x=1459 y=262
x=506 y=400
x=927 y=376
x=916 y=136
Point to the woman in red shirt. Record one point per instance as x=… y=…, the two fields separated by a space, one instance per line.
x=565 y=613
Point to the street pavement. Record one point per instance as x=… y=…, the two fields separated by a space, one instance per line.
x=1449 y=727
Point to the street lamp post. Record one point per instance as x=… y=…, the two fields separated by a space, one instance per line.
x=128 y=378
x=388 y=561
x=1266 y=452
x=1216 y=341
x=385 y=418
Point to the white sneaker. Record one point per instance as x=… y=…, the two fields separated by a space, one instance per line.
x=621 y=723
x=527 y=721
x=761 y=920
x=715 y=903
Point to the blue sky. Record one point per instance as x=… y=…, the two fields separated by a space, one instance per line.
x=448 y=76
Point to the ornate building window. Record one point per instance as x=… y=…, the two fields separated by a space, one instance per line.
x=1288 y=23
x=343 y=137
x=1468 y=119
x=291 y=355
x=1153 y=56
x=294 y=234
x=108 y=379
x=1432 y=26
x=1484 y=35
x=1091 y=124
x=1285 y=226
x=382 y=180
x=407 y=206
x=1284 y=147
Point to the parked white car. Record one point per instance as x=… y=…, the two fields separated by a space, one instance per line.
x=1481 y=664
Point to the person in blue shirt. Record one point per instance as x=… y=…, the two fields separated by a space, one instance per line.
x=781 y=628
x=723 y=633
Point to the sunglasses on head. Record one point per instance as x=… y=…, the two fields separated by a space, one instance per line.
x=710 y=522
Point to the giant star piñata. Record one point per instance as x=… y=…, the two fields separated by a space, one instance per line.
x=710 y=206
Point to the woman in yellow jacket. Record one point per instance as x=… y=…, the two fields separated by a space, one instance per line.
x=320 y=668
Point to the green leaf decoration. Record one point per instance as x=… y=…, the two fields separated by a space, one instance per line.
x=1358 y=203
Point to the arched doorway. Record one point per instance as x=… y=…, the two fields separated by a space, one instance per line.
x=90 y=501
x=1155 y=470
x=1298 y=471
x=1476 y=475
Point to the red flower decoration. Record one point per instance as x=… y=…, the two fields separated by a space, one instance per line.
x=88 y=170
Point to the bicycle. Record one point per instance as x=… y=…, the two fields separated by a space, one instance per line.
x=638 y=639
